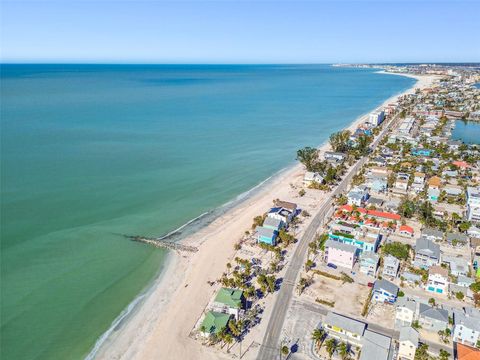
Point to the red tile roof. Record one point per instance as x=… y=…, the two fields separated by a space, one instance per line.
x=406 y=228
x=461 y=164
x=375 y=213
x=384 y=215
x=467 y=353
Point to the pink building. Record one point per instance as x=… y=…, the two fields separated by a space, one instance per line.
x=340 y=254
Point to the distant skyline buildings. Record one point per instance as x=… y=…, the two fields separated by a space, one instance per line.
x=121 y=31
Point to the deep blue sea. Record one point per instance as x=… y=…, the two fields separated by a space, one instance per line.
x=93 y=151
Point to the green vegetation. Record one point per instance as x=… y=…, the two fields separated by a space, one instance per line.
x=397 y=249
x=339 y=141
x=407 y=208
x=325 y=302
x=318 y=335
x=327 y=275
x=308 y=156
x=346 y=278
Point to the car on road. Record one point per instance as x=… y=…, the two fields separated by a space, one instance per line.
x=333 y=266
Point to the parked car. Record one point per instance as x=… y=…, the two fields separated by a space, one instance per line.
x=370 y=284
x=333 y=266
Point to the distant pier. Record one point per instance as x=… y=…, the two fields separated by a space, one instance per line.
x=159 y=243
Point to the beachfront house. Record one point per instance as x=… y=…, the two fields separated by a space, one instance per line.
x=427 y=253
x=344 y=328
x=213 y=323
x=311 y=177
x=229 y=301
x=384 y=291
x=266 y=235
x=369 y=263
x=437 y=280
x=408 y=340
x=273 y=223
x=335 y=157
x=390 y=266
x=340 y=254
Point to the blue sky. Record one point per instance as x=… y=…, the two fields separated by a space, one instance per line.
x=159 y=31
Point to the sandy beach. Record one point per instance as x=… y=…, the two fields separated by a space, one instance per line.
x=159 y=327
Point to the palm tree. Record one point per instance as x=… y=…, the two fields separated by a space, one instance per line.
x=331 y=346
x=343 y=350
x=317 y=337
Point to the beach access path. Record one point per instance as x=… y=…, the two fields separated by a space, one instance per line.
x=160 y=327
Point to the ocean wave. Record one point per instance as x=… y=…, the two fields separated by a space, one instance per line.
x=101 y=340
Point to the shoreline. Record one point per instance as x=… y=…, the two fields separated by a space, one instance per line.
x=141 y=334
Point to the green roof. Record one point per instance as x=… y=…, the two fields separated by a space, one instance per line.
x=230 y=297
x=214 y=322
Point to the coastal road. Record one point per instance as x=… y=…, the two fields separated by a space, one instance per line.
x=270 y=347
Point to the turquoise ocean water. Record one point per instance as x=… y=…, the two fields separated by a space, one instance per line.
x=92 y=151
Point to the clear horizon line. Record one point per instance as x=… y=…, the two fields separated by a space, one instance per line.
x=231 y=63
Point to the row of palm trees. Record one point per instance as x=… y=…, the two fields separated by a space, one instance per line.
x=319 y=337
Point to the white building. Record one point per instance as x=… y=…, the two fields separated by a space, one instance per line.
x=311 y=177
x=437 y=280
x=408 y=343
x=473 y=204
x=376 y=118
x=466 y=328
x=405 y=312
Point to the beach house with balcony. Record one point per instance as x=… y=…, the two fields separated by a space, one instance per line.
x=340 y=254
x=357 y=196
x=384 y=291
x=312 y=177
x=437 y=280
x=405 y=312
x=229 y=301
x=273 y=223
x=427 y=253
x=266 y=235
x=390 y=266
x=466 y=329
x=369 y=263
